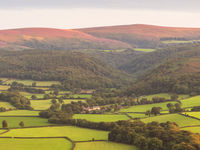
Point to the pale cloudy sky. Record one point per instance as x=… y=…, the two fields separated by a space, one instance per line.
x=88 y=13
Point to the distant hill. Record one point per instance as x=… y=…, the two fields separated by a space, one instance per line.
x=103 y=38
x=73 y=69
x=55 y=39
x=146 y=36
x=179 y=73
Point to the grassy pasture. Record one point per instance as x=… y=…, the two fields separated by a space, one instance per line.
x=144 y=108
x=6 y=105
x=35 y=144
x=74 y=133
x=144 y=49
x=103 y=146
x=194 y=114
x=101 y=118
x=45 y=104
x=28 y=95
x=192 y=129
x=137 y=115
x=165 y=95
x=20 y=113
x=191 y=102
x=28 y=121
x=179 y=119
x=81 y=96
x=179 y=41
x=29 y=82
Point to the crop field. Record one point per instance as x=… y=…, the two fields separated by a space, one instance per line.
x=103 y=146
x=179 y=119
x=45 y=104
x=6 y=105
x=28 y=121
x=165 y=95
x=4 y=87
x=137 y=115
x=190 y=102
x=194 y=114
x=192 y=129
x=20 y=113
x=74 y=133
x=101 y=118
x=144 y=49
x=29 y=82
x=35 y=144
x=144 y=108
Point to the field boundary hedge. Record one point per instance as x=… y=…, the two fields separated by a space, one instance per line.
x=189 y=116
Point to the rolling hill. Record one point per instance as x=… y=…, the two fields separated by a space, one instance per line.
x=73 y=69
x=179 y=73
x=140 y=35
x=103 y=38
x=46 y=38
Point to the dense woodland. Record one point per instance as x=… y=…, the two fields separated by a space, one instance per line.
x=72 y=69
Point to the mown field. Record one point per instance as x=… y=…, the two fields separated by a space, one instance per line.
x=180 y=120
x=4 y=87
x=101 y=118
x=29 y=95
x=144 y=108
x=6 y=105
x=103 y=146
x=192 y=129
x=74 y=133
x=45 y=104
x=35 y=144
x=20 y=113
x=193 y=114
x=137 y=115
x=28 y=121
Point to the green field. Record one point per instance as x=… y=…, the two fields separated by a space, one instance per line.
x=29 y=82
x=28 y=121
x=191 y=102
x=193 y=114
x=45 y=104
x=101 y=118
x=28 y=95
x=103 y=146
x=20 y=113
x=137 y=115
x=144 y=108
x=165 y=95
x=74 y=133
x=6 y=105
x=192 y=129
x=35 y=144
x=81 y=96
x=144 y=49
x=179 y=119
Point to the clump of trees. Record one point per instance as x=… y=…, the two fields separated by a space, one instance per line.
x=16 y=100
x=4 y=124
x=154 y=136
x=174 y=108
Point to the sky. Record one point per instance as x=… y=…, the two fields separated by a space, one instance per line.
x=70 y=14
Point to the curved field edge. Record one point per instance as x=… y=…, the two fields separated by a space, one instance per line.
x=35 y=144
x=192 y=129
x=74 y=133
x=180 y=120
x=103 y=146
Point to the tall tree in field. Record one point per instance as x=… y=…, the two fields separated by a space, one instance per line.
x=4 y=124
x=21 y=124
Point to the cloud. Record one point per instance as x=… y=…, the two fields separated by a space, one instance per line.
x=178 y=5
